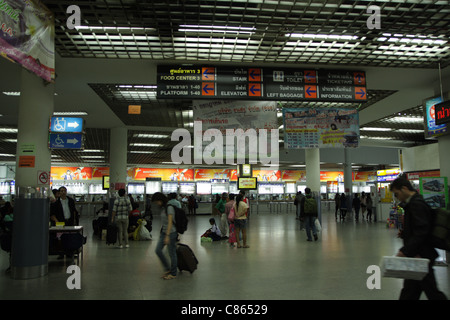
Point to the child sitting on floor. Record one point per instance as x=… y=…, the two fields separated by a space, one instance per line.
x=214 y=232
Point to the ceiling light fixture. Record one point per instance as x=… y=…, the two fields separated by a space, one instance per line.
x=217 y=29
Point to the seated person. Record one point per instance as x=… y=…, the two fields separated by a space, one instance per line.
x=214 y=232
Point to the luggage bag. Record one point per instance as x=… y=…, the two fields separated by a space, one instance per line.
x=111 y=234
x=186 y=258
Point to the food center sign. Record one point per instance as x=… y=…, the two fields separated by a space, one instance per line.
x=257 y=83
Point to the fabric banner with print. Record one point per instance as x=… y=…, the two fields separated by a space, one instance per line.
x=320 y=128
x=27 y=32
x=257 y=120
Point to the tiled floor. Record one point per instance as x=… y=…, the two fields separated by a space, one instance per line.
x=280 y=264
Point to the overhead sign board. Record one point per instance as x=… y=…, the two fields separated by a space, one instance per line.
x=225 y=82
x=442 y=112
x=66 y=141
x=66 y=125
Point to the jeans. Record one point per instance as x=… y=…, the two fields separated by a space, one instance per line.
x=310 y=225
x=172 y=248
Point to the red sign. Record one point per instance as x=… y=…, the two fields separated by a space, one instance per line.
x=360 y=93
x=208 y=88
x=311 y=92
x=254 y=74
x=359 y=78
x=310 y=76
x=254 y=90
x=208 y=74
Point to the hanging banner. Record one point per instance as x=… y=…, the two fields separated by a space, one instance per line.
x=27 y=32
x=293 y=175
x=320 y=128
x=163 y=173
x=239 y=118
x=71 y=173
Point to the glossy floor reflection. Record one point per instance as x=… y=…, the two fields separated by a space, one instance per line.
x=280 y=264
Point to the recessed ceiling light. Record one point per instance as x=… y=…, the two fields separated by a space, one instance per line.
x=145 y=145
x=70 y=113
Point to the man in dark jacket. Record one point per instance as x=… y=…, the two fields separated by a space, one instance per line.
x=417 y=226
x=63 y=209
x=308 y=213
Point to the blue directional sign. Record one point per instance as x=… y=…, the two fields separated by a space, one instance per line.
x=66 y=141
x=64 y=125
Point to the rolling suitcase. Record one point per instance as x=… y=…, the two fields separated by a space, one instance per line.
x=111 y=234
x=186 y=258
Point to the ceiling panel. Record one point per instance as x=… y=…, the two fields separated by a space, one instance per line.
x=329 y=32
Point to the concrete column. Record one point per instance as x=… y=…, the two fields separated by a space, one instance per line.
x=312 y=157
x=118 y=155
x=444 y=154
x=29 y=254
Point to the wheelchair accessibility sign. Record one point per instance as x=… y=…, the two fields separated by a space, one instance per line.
x=66 y=141
x=66 y=125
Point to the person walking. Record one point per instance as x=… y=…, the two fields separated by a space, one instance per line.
x=310 y=213
x=240 y=220
x=337 y=200
x=343 y=206
x=418 y=221
x=369 y=205
x=168 y=236
x=356 y=206
x=120 y=216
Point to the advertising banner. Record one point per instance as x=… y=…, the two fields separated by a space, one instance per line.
x=244 y=119
x=435 y=191
x=293 y=175
x=320 y=128
x=163 y=173
x=27 y=32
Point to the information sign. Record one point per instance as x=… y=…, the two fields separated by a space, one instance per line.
x=245 y=83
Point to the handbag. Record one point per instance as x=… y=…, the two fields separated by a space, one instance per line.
x=231 y=215
x=318 y=226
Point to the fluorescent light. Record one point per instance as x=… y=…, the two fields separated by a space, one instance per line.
x=144 y=152
x=406 y=119
x=7 y=155
x=70 y=113
x=92 y=157
x=218 y=29
x=10 y=140
x=112 y=28
x=374 y=129
x=11 y=93
x=137 y=86
x=8 y=130
x=146 y=145
x=410 y=130
x=150 y=135
x=322 y=36
x=92 y=150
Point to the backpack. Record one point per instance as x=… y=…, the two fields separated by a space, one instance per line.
x=181 y=220
x=232 y=214
x=310 y=206
x=440 y=233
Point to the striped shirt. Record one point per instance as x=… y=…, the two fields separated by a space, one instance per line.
x=122 y=207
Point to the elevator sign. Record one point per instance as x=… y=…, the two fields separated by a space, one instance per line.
x=66 y=125
x=258 y=83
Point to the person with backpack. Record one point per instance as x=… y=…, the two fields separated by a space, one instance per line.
x=240 y=220
x=417 y=227
x=310 y=213
x=168 y=236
